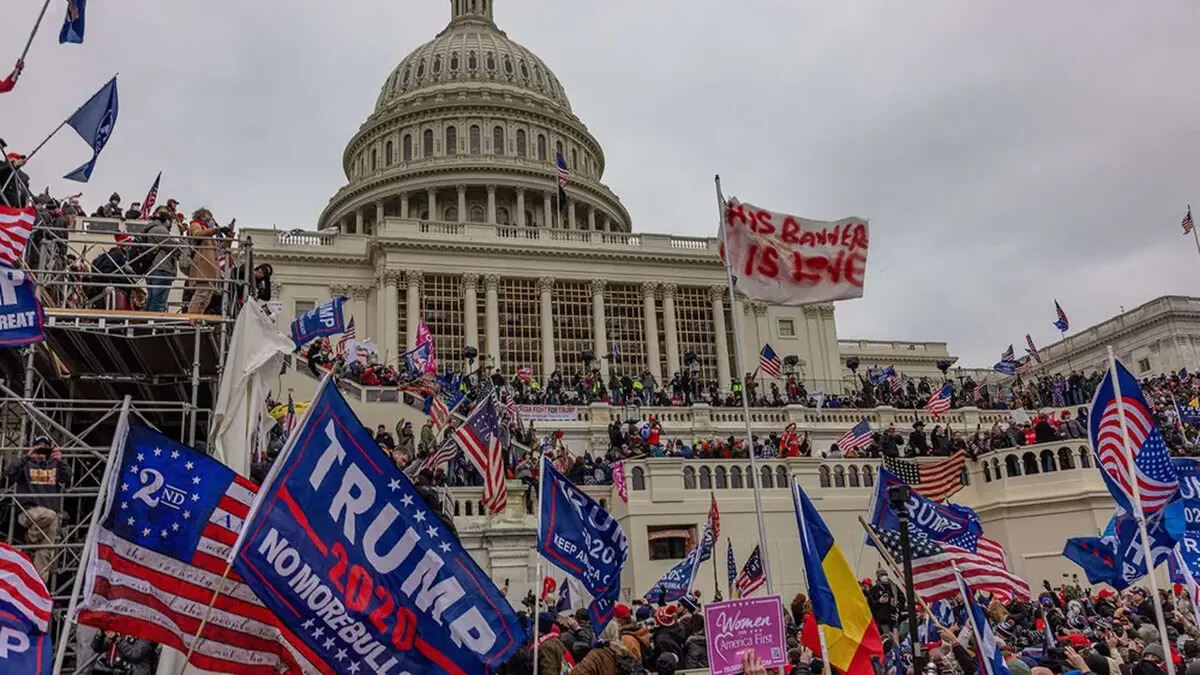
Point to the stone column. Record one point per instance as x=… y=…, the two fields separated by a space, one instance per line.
x=470 y=284
x=571 y=224
x=413 y=280
x=591 y=219
x=432 y=193
x=654 y=362
x=717 y=294
x=462 y=203
x=521 y=207
x=391 y=319
x=358 y=220
x=546 y=287
x=671 y=330
x=359 y=294
x=403 y=204
x=491 y=285
x=378 y=215
x=605 y=224
x=599 y=328
x=549 y=210
x=491 y=205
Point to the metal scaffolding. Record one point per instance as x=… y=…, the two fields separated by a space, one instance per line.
x=103 y=346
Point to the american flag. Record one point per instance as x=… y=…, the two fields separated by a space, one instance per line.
x=977 y=393
x=731 y=563
x=932 y=480
x=564 y=174
x=159 y=555
x=151 y=197
x=939 y=403
x=897 y=381
x=289 y=419
x=933 y=575
x=15 y=226
x=349 y=336
x=445 y=453
x=1187 y=221
x=510 y=405
x=857 y=438
x=1009 y=354
x=1061 y=323
x=1025 y=366
x=1156 y=478
x=479 y=437
x=769 y=362
x=424 y=335
x=23 y=594
x=439 y=413
x=992 y=551
x=752 y=576
x=1031 y=350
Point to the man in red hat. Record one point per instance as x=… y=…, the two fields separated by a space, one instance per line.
x=14 y=183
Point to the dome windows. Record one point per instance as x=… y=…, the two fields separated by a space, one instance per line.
x=404 y=80
x=508 y=66
x=541 y=147
x=427 y=144
x=374 y=159
x=451 y=140
x=524 y=70
x=521 y=149
x=472 y=61
x=574 y=159
x=558 y=150
x=451 y=214
x=454 y=62
x=421 y=69
x=498 y=140
x=473 y=139
x=502 y=216
x=437 y=64
x=491 y=61
x=387 y=154
x=477 y=215
x=407 y=149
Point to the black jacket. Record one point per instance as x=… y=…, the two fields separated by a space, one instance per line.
x=695 y=653
x=122 y=654
x=917 y=443
x=16 y=190
x=42 y=477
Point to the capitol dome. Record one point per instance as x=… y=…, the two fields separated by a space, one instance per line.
x=467 y=129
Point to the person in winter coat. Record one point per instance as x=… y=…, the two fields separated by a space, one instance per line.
x=42 y=475
x=162 y=258
x=111 y=269
x=14 y=189
x=134 y=212
x=668 y=636
x=203 y=274
x=695 y=648
x=602 y=660
x=579 y=635
x=634 y=636
x=917 y=443
x=550 y=646
x=123 y=654
x=110 y=210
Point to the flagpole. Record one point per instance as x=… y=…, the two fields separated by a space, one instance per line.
x=729 y=585
x=538 y=559
x=737 y=348
x=90 y=542
x=1195 y=235
x=716 y=579
x=1138 y=512
x=64 y=122
x=977 y=631
x=804 y=571
x=891 y=563
x=37 y=24
x=196 y=639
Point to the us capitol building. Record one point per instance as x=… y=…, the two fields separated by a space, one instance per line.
x=449 y=214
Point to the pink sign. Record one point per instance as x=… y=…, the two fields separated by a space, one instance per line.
x=736 y=626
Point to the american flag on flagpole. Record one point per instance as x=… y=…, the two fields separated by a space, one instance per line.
x=446 y=452
x=977 y=393
x=752 y=576
x=151 y=197
x=857 y=438
x=939 y=403
x=425 y=335
x=897 y=382
x=1061 y=323
x=289 y=419
x=933 y=576
x=15 y=227
x=439 y=414
x=1187 y=221
x=731 y=563
x=932 y=480
x=1031 y=350
x=479 y=437
x=768 y=362
x=22 y=592
x=349 y=336
x=564 y=174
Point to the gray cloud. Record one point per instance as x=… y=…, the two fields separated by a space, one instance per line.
x=1007 y=153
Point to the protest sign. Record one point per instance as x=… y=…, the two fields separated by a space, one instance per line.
x=788 y=260
x=548 y=413
x=20 y=312
x=737 y=626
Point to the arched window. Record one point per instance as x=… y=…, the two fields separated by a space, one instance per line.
x=868 y=476
x=387 y=154
x=749 y=478
x=781 y=476
x=558 y=150
x=451 y=214
x=491 y=61
x=542 y=147
x=407 y=150
x=477 y=215
x=421 y=69
x=451 y=140
x=498 y=140
x=508 y=66
x=405 y=78
x=473 y=139
x=1048 y=463
x=839 y=476
x=472 y=62
x=705 y=478
x=374 y=159
x=1029 y=464
x=720 y=478
x=1065 y=461
x=735 y=477
x=689 y=478
x=1012 y=466
x=1085 y=458
x=427 y=144
x=852 y=476
x=453 y=62
x=638 y=478
x=768 y=477
x=470 y=508
x=823 y=475
x=521 y=149
x=987 y=472
x=524 y=70
x=530 y=220
x=574 y=160
x=502 y=216
x=995 y=469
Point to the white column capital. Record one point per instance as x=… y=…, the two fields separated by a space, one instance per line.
x=649 y=288
x=491 y=281
x=491 y=189
x=598 y=285
x=413 y=278
x=668 y=290
x=470 y=281
x=545 y=284
x=717 y=292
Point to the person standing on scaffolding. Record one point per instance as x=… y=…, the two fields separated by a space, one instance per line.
x=40 y=477
x=203 y=274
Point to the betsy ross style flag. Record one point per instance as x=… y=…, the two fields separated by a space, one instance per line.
x=151 y=197
x=934 y=480
x=857 y=438
x=939 y=402
x=1061 y=323
x=15 y=227
x=769 y=362
x=94 y=122
x=933 y=578
x=752 y=576
x=479 y=437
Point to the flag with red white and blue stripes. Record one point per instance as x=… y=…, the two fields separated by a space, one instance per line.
x=1061 y=323
x=768 y=361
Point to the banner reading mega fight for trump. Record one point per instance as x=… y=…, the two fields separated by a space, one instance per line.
x=342 y=548
x=788 y=260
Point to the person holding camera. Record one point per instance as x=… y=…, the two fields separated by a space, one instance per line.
x=41 y=476
x=122 y=654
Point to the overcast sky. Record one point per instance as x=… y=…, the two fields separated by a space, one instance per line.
x=1006 y=153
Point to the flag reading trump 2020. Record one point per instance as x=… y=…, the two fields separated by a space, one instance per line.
x=579 y=537
x=342 y=548
x=789 y=260
x=320 y=321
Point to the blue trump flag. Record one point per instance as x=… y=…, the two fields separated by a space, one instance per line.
x=579 y=537
x=72 y=28
x=950 y=523
x=677 y=582
x=1116 y=557
x=320 y=321
x=94 y=122
x=1189 y=413
x=23 y=652
x=354 y=561
x=21 y=316
x=1188 y=470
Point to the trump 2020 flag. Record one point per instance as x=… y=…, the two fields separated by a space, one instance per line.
x=320 y=321
x=72 y=28
x=94 y=122
x=1156 y=479
x=21 y=316
x=24 y=616
x=950 y=523
x=351 y=559
x=579 y=537
x=678 y=580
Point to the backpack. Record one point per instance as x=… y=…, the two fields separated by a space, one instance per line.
x=627 y=665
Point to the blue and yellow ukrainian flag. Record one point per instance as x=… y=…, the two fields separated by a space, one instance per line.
x=851 y=636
